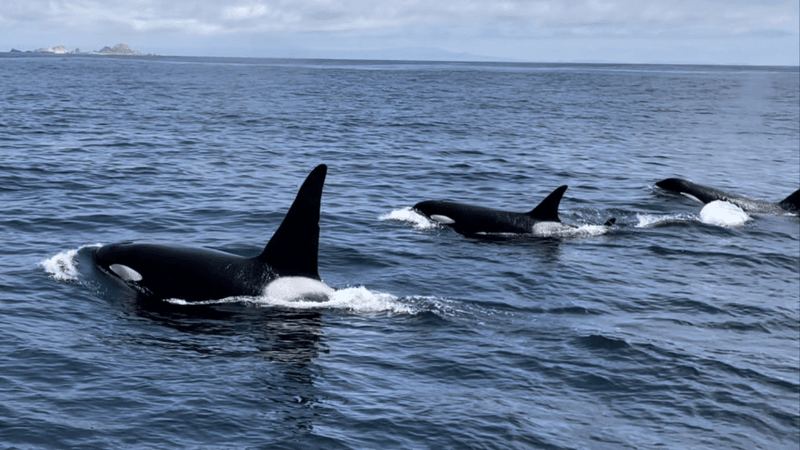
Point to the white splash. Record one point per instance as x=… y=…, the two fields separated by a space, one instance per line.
x=63 y=266
x=354 y=299
x=723 y=214
x=651 y=220
x=297 y=288
x=409 y=215
x=556 y=229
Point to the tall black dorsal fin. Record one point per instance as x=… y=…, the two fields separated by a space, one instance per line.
x=293 y=249
x=792 y=202
x=548 y=210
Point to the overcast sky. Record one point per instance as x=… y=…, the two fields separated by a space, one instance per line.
x=760 y=32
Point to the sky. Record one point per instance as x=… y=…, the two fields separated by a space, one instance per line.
x=749 y=32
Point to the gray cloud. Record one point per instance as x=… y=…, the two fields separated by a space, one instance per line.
x=537 y=17
x=503 y=28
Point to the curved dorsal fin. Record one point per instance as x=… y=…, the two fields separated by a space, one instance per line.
x=792 y=202
x=293 y=249
x=547 y=211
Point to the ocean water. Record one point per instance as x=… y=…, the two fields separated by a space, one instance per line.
x=663 y=331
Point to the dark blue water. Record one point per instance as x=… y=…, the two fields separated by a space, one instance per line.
x=662 y=332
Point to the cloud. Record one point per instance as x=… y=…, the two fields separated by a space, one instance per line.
x=511 y=29
x=529 y=18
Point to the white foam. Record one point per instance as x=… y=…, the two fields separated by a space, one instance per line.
x=63 y=266
x=296 y=288
x=723 y=214
x=354 y=299
x=409 y=215
x=556 y=229
x=182 y=302
x=650 y=220
x=498 y=234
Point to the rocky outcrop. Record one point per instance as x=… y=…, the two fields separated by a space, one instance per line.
x=119 y=49
x=58 y=49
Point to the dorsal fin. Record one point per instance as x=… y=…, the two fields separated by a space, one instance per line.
x=548 y=210
x=792 y=202
x=293 y=249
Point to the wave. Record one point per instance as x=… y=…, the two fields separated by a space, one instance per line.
x=655 y=220
x=411 y=217
x=64 y=265
x=358 y=300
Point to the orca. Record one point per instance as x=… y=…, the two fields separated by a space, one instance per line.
x=478 y=221
x=707 y=194
x=289 y=260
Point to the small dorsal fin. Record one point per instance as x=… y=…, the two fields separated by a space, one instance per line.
x=548 y=209
x=294 y=248
x=792 y=202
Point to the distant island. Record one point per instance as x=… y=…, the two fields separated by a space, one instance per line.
x=58 y=50
x=119 y=49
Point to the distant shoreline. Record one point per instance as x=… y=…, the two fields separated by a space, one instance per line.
x=333 y=60
x=119 y=49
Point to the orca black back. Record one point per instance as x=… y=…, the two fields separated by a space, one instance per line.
x=471 y=220
x=196 y=274
x=707 y=194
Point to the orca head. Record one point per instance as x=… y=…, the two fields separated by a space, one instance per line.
x=674 y=184
x=436 y=211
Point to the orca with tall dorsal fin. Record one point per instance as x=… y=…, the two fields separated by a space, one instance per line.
x=707 y=194
x=475 y=221
x=287 y=266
